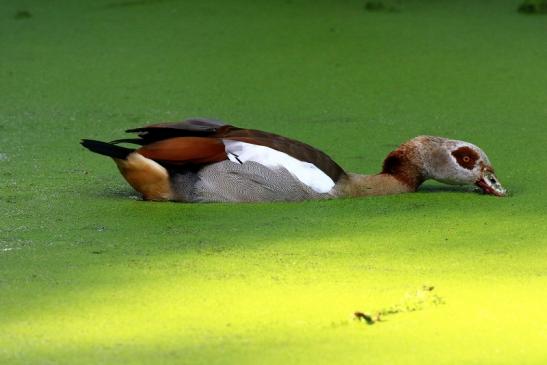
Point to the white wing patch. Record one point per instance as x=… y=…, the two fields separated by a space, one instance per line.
x=306 y=172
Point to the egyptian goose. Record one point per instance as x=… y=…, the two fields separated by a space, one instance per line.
x=207 y=161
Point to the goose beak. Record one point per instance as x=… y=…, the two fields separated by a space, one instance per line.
x=489 y=184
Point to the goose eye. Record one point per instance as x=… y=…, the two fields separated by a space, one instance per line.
x=492 y=180
x=466 y=157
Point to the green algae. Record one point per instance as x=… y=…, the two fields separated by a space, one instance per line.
x=90 y=274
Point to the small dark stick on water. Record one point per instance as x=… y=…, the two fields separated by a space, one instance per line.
x=367 y=317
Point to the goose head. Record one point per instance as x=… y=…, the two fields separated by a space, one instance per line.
x=445 y=160
x=457 y=163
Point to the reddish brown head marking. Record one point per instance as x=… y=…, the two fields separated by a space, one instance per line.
x=466 y=157
x=399 y=166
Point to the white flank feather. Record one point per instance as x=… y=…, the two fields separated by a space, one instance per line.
x=306 y=172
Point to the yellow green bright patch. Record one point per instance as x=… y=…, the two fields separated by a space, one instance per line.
x=89 y=274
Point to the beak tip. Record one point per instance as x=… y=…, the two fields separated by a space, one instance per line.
x=490 y=185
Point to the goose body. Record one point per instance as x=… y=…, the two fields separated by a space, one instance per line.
x=208 y=161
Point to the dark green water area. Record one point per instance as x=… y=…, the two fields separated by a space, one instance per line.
x=90 y=274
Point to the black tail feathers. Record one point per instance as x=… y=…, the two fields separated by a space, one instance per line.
x=106 y=149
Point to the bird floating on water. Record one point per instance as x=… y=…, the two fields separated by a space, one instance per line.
x=201 y=160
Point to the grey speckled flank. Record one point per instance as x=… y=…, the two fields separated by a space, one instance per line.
x=228 y=181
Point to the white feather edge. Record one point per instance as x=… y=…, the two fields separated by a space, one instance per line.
x=307 y=173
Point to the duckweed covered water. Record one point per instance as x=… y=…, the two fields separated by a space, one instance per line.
x=89 y=274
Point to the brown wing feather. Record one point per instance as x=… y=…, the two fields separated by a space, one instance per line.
x=206 y=140
x=188 y=128
x=185 y=150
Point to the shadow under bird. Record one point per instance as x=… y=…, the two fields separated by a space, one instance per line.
x=200 y=160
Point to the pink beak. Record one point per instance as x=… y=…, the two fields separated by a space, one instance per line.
x=489 y=184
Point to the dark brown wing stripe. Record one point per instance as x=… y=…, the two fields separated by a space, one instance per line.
x=187 y=128
x=199 y=125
